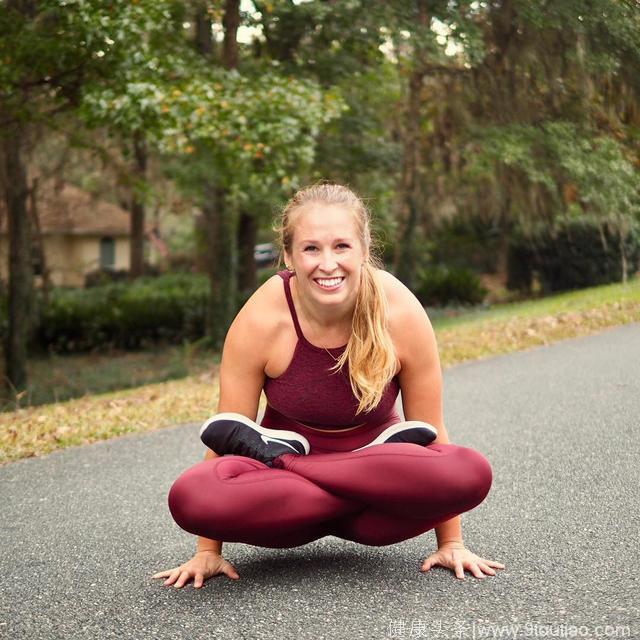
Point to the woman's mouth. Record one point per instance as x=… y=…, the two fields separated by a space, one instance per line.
x=329 y=284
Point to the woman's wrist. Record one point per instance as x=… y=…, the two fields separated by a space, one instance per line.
x=216 y=551
x=208 y=544
x=456 y=543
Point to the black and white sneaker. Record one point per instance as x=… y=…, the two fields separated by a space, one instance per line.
x=235 y=434
x=411 y=431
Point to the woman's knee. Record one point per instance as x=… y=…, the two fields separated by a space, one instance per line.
x=189 y=498
x=181 y=499
x=206 y=495
x=476 y=476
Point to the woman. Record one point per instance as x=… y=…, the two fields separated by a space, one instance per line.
x=331 y=341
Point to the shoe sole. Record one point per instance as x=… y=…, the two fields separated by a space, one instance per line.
x=397 y=428
x=278 y=434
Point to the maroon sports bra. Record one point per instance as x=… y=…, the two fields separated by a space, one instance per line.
x=309 y=393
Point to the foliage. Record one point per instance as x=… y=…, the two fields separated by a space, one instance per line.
x=441 y=285
x=574 y=169
x=55 y=49
x=574 y=253
x=465 y=242
x=527 y=111
x=169 y=308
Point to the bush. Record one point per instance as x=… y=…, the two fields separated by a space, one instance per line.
x=441 y=285
x=170 y=308
x=574 y=254
x=468 y=243
x=102 y=276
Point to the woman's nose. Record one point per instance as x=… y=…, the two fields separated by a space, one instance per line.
x=328 y=261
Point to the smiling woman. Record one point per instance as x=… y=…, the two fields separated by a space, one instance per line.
x=331 y=455
x=325 y=239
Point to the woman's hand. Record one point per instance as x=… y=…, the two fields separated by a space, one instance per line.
x=455 y=556
x=203 y=565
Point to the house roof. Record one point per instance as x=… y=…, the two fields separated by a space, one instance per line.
x=66 y=209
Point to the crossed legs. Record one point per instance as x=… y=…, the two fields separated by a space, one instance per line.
x=377 y=496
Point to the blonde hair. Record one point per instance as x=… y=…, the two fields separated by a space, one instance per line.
x=370 y=351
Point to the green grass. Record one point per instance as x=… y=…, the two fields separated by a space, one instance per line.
x=572 y=301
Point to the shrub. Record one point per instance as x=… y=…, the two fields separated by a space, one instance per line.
x=441 y=285
x=101 y=277
x=170 y=308
x=574 y=254
x=469 y=243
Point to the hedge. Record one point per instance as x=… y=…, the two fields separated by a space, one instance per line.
x=441 y=286
x=170 y=308
x=573 y=254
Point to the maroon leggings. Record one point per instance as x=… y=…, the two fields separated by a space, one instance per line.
x=378 y=496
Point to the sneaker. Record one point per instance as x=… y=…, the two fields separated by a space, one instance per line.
x=412 y=431
x=235 y=434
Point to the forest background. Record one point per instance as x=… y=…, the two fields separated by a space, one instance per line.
x=494 y=137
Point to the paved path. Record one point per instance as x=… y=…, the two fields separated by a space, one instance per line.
x=83 y=529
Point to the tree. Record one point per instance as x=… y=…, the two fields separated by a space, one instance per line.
x=40 y=78
x=555 y=113
x=56 y=56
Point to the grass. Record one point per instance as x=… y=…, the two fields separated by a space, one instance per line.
x=573 y=301
x=462 y=336
x=518 y=326
x=56 y=378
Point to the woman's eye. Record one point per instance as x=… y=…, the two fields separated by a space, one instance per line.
x=310 y=248
x=343 y=245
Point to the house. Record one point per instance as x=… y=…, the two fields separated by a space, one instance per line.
x=79 y=234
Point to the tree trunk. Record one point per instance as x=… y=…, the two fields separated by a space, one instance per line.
x=247 y=229
x=247 y=233
x=221 y=262
x=20 y=276
x=502 y=257
x=406 y=256
x=136 y=246
x=230 y=24
x=38 y=242
x=623 y=256
x=203 y=40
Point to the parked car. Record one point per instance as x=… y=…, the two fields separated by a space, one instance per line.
x=265 y=255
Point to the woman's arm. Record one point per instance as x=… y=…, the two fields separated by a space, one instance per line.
x=421 y=385
x=207 y=544
x=244 y=357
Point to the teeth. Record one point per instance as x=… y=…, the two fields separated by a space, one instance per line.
x=329 y=283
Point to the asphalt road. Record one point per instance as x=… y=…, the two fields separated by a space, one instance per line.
x=83 y=529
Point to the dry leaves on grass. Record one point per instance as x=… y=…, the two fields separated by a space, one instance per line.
x=494 y=337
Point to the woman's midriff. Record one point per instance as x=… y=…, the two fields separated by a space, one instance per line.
x=332 y=430
x=330 y=440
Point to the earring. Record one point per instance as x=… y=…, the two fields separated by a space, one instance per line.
x=291 y=269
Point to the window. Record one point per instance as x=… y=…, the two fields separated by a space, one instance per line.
x=107 y=253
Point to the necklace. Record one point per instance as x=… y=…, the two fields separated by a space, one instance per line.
x=331 y=354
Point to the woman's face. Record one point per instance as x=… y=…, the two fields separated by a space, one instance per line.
x=326 y=254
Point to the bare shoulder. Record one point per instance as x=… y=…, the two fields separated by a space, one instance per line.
x=402 y=301
x=409 y=325
x=258 y=319
x=246 y=352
